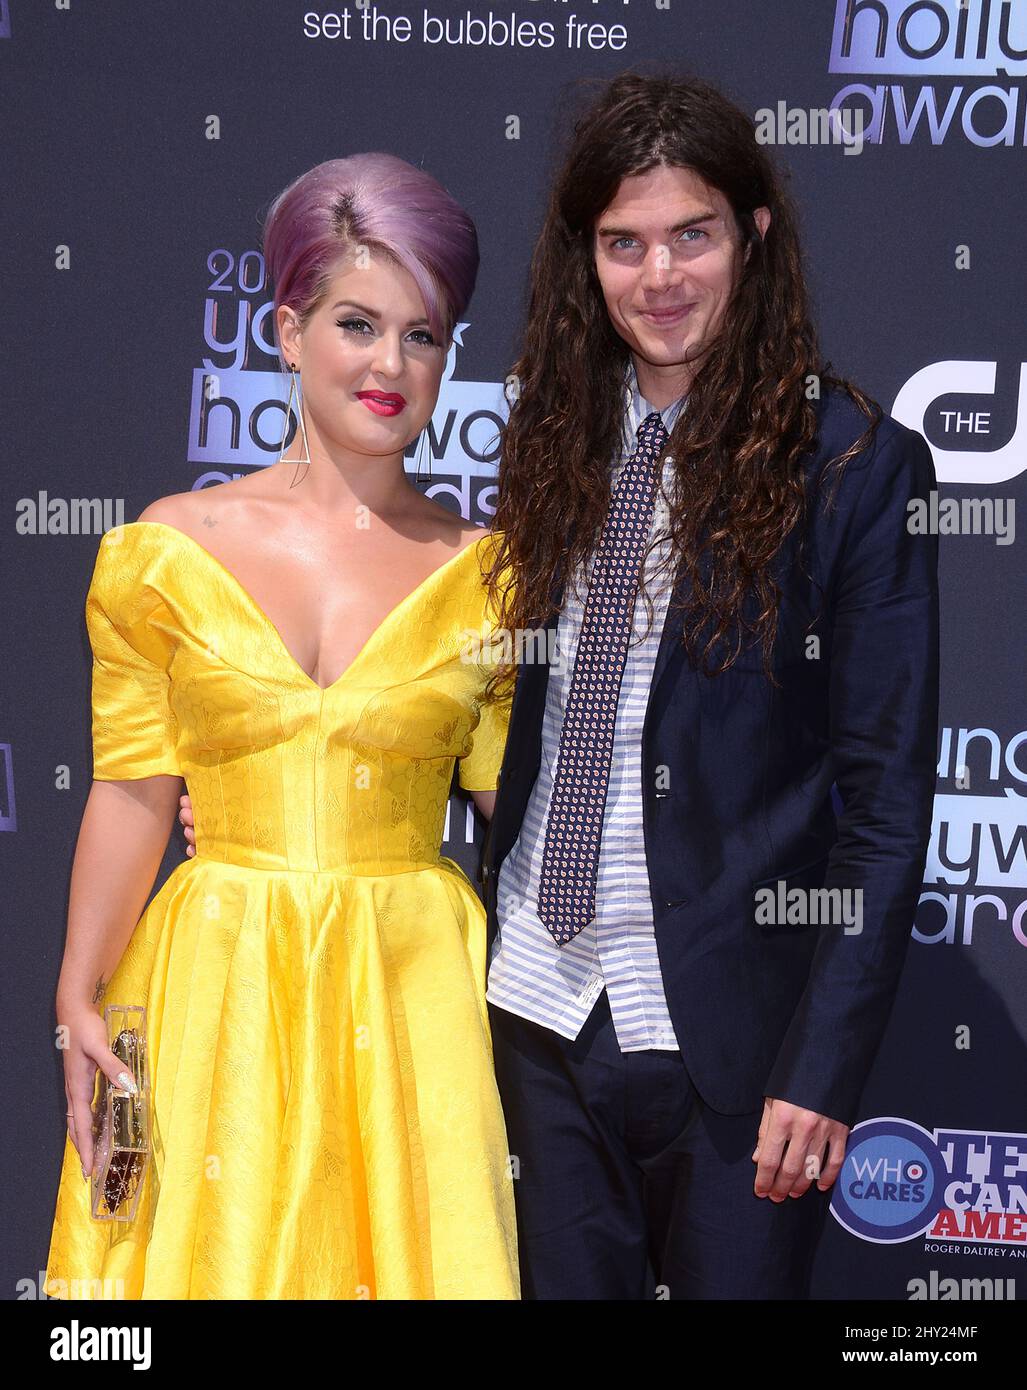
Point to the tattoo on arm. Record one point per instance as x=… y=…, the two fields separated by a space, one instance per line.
x=100 y=990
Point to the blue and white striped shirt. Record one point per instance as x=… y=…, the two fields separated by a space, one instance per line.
x=529 y=975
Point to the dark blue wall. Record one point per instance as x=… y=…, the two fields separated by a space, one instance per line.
x=106 y=113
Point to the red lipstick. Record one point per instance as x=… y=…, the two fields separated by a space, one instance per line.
x=382 y=402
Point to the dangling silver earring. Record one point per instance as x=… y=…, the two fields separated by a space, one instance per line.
x=420 y=451
x=294 y=396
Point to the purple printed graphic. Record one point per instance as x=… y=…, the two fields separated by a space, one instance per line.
x=238 y=395
x=8 y=820
x=982 y=38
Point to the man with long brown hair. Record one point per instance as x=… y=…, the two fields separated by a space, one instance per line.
x=715 y=803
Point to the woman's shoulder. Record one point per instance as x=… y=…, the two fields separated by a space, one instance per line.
x=480 y=538
x=180 y=510
x=193 y=512
x=136 y=560
x=174 y=510
x=436 y=526
x=479 y=546
x=155 y=537
x=484 y=583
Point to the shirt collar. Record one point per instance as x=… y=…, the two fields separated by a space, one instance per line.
x=636 y=407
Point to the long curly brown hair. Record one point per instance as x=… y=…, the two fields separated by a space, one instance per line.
x=738 y=448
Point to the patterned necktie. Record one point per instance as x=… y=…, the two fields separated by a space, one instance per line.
x=570 y=856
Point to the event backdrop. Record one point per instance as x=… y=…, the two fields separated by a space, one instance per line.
x=142 y=144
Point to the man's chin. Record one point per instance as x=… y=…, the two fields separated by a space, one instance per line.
x=665 y=352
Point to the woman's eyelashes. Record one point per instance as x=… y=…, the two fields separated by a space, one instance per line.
x=358 y=327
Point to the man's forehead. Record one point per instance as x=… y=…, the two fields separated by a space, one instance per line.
x=641 y=196
x=662 y=218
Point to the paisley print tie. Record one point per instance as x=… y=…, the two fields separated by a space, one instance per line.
x=570 y=856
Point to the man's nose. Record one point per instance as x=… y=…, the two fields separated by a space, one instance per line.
x=658 y=271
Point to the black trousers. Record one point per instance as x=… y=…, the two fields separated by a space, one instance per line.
x=628 y=1185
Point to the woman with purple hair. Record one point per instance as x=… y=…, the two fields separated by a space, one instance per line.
x=324 y=1115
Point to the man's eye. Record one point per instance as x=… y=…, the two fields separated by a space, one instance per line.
x=621 y=239
x=693 y=231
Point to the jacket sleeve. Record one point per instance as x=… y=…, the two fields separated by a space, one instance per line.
x=883 y=731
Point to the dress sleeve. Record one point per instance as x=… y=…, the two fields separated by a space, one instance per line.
x=134 y=728
x=478 y=770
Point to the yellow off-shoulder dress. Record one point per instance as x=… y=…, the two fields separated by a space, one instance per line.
x=326 y=1121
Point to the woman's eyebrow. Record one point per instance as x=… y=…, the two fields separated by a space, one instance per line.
x=371 y=313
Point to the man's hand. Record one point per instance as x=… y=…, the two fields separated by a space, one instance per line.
x=185 y=815
x=789 y=1152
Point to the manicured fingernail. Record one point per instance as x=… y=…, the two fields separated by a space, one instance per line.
x=126 y=1083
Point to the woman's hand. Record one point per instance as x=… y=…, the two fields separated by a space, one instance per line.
x=86 y=1052
x=107 y=896
x=185 y=815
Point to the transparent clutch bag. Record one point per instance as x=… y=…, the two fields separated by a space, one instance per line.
x=121 y=1120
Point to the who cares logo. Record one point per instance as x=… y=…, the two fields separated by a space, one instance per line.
x=977 y=434
x=900 y=1181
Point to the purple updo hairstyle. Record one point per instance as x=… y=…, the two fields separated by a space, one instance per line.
x=380 y=202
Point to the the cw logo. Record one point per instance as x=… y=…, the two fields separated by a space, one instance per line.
x=962 y=465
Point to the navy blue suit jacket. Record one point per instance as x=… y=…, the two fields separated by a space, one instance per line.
x=737 y=780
